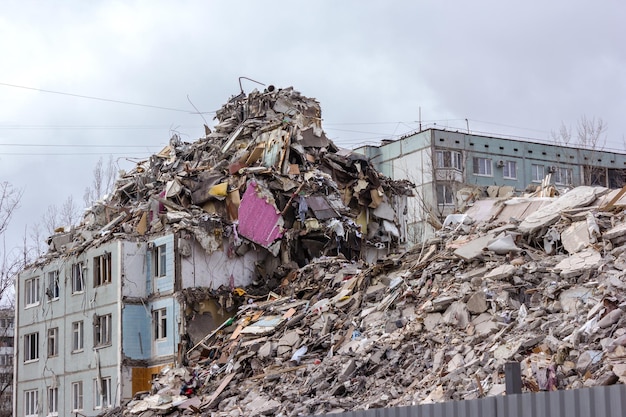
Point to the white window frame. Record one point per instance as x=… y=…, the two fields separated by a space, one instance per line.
x=102 y=269
x=509 y=171
x=31 y=347
x=53 y=401
x=102 y=393
x=53 y=285
x=159 y=261
x=78 y=282
x=449 y=159
x=538 y=172
x=160 y=324
x=445 y=192
x=77 y=396
x=483 y=167
x=78 y=340
x=102 y=330
x=31 y=292
x=31 y=403
x=53 y=342
x=563 y=172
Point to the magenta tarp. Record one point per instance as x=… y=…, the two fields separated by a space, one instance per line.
x=259 y=220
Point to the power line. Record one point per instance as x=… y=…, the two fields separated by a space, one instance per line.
x=99 y=98
x=49 y=145
x=72 y=154
x=88 y=127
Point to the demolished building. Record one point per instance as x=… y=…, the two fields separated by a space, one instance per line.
x=186 y=238
x=537 y=281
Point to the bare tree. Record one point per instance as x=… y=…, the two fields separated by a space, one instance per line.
x=10 y=260
x=102 y=182
x=591 y=138
x=70 y=213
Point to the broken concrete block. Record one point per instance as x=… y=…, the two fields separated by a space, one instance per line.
x=578 y=263
x=474 y=248
x=501 y=272
x=576 y=237
x=610 y=319
x=431 y=321
x=456 y=315
x=477 y=303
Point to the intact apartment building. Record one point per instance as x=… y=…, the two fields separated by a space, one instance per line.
x=94 y=328
x=448 y=167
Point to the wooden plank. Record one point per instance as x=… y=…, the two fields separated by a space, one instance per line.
x=219 y=389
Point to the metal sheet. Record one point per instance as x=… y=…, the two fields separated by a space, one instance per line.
x=321 y=208
x=259 y=219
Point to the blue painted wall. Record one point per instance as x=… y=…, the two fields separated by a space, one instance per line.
x=163 y=284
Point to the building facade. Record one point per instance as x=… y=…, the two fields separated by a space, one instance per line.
x=448 y=167
x=94 y=328
x=7 y=318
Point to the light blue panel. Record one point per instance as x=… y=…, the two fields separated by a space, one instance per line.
x=164 y=284
x=136 y=331
x=169 y=345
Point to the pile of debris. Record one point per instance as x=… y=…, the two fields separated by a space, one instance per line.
x=538 y=281
x=267 y=177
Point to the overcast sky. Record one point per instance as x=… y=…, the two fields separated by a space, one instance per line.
x=519 y=68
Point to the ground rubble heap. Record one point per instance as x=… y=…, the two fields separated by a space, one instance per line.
x=435 y=323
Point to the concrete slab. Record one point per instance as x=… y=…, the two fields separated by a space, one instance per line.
x=578 y=197
x=578 y=263
x=576 y=237
x=474 y=248
x=501 y=272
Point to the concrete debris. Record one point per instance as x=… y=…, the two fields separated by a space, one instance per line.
x=267 y=177
x=422 y=326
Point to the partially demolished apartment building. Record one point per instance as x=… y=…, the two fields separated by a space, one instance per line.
x=452 y=168
x=169 y=254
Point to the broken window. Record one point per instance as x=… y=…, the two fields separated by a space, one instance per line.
x=53 y=285
x=563 y=176
x=102 y=393
x=449 y=159
x=53 y=401
x=445 y=195
x=31 y=347
x=31 y=292
x=482 y=166
x=53 y=342
x=159 y=258
x=77 y=396
x=31 y=403
x=102 y=330
x=78 y=285
x=160 y=324
x=77 y=336
x=537 y=172
x=102 y=270
x=509 y=170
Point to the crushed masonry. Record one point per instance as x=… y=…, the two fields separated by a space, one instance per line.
x=431 y=324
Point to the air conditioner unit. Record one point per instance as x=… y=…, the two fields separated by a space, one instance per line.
x=552 y=169
x=500 y=164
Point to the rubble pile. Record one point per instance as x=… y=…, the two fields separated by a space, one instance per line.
x=266 y=178
x=539 y=281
